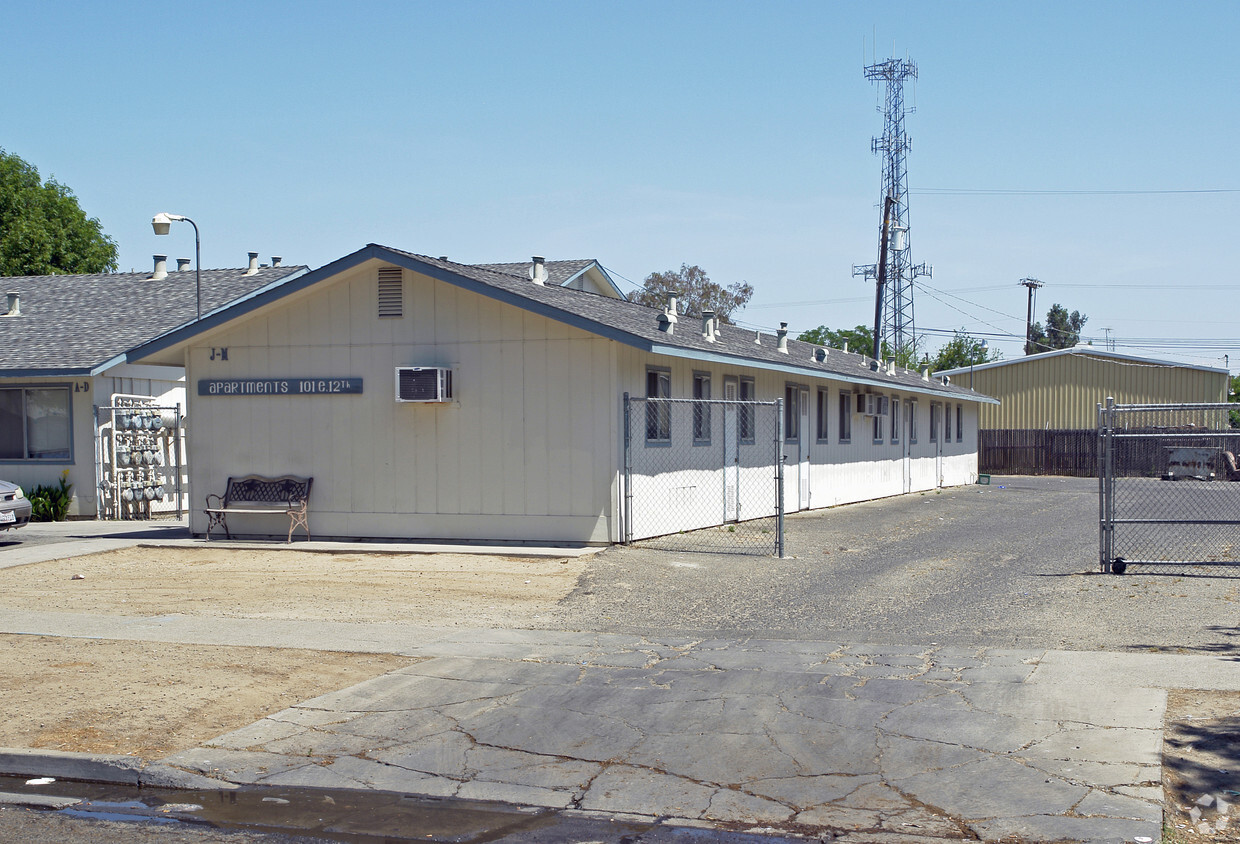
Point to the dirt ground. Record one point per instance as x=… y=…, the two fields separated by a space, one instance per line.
x=1201 y=767
x=151 y=699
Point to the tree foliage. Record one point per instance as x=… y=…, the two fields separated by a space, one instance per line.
x=859 y=339
x=694 y=291
x=1062 y=331
x=43 y=230
x=962 y=350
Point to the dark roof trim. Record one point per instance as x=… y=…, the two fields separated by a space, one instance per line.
x=817 y=374
x=47 y=373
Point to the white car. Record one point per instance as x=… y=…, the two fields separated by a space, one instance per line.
x=14 y=506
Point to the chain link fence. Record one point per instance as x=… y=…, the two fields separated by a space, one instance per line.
x=1168 y=495
x=704 y=475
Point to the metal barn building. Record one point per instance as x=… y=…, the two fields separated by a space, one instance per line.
x=1047 y=414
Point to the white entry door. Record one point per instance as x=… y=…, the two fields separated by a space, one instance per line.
x=731 y=452
x=804 y=445
x=910 y=418
x=937 y=444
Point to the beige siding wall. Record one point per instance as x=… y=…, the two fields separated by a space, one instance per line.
x=1063 y=391
x=510 y=457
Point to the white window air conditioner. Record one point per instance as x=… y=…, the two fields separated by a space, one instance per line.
x=423 y=384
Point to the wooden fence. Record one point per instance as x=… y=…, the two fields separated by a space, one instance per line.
x=1038 y=452
x=1074 y=452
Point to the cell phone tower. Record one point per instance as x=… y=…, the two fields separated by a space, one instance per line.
x=894 y=327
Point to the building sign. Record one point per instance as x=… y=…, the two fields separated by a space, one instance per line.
x=278 y=386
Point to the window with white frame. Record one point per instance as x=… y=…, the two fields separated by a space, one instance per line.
x=792 y=413
x=35 y=424
x=895 y=419
x=947 y=423
x=701 y=412
x=824 y=413
x=845 y=426
x=912 y=421
x=934 y=422
x=746 y=414
x=960 y=423
x=658 y=414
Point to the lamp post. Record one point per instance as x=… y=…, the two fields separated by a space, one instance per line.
x=161 y=223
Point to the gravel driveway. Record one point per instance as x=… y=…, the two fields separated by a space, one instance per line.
x=1012 y=564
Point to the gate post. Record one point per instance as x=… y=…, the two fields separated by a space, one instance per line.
x=779 y=479
x=1108 y=485
x=627 y=522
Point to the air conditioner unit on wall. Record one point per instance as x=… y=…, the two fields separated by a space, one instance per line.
x=423 y=384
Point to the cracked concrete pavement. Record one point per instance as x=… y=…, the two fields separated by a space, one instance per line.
x=902 y=743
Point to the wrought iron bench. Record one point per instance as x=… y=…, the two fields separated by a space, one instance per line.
x=253 y=494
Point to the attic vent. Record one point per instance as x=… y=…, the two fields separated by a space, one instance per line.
x=391 y=292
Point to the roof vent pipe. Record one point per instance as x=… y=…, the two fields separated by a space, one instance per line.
x=708 y=326
x=161 y=268
x=253 y=268
x=667 y=317
x=891 y=367
x=781 y=338
x=538 y=271
x=925 y=374
x=757 y=337
x=182 y=264
x=276 y=260
x=14 y=305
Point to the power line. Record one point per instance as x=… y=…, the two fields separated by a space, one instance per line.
x=1019 y=192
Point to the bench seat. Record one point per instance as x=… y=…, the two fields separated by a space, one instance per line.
x=259 y=494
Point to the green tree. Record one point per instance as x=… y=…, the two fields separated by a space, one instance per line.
x=859 y=339
x=1062 y=331
x=43 y=230
x=694 y=291
x=962 y=350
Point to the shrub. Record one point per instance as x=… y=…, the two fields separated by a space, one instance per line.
x=51 y=503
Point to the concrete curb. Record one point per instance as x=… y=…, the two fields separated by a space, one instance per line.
x=101 y=767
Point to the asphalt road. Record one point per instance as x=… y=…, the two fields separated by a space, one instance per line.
x=1012 y=564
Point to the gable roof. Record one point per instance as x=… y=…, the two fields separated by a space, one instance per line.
x=82 y=324
x=1087 y=351
x=616 y=319
x=559 y=273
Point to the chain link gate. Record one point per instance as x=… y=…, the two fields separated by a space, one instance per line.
x=1167 y=486
x=704 y=475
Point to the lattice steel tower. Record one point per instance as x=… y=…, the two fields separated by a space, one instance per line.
x=898 y=330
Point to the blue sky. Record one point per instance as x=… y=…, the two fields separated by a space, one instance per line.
x=735 y=136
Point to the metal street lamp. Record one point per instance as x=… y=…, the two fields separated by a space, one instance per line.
x=161 y=223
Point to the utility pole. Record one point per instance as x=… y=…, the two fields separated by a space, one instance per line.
x=881 y=281
x=1033 y=284
x=897 y=330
